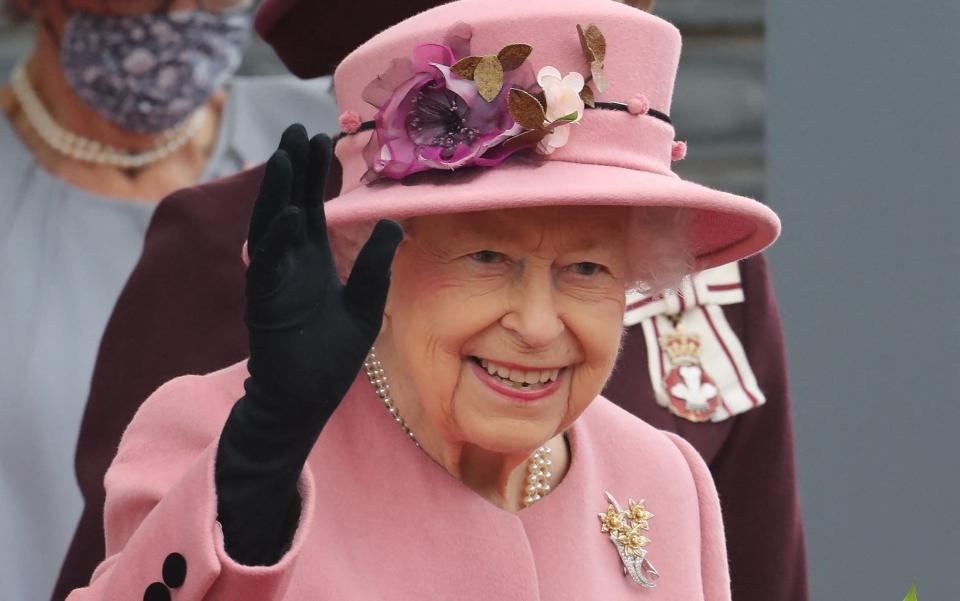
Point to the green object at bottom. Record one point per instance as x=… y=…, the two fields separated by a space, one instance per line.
x=912 y=593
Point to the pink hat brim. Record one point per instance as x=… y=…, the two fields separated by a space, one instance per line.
x=723 y=227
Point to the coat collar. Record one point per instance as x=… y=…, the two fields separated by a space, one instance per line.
x=391 y=512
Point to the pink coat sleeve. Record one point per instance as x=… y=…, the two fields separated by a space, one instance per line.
x=713 y=545
x=161 y=500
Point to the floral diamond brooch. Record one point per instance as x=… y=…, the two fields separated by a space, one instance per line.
x=625 y=529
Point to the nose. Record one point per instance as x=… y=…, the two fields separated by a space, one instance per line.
x=532 y=315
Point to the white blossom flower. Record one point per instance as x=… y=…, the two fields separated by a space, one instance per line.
x=562 y=93
x=554 y=140
x=563 y=102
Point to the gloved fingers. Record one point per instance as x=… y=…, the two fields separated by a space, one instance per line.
x=369 y=282
x=321 y=155
x=295 y=143
x=266 y=259
x=274 y=194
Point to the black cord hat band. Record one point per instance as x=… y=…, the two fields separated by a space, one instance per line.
x=622 y=106
x=609 y=106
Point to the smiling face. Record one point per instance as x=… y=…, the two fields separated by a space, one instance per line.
x=535 y=296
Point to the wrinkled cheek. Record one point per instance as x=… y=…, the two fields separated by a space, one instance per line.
x=440 y=374
x=578 y=397
x=606 y=337
x=591 y=376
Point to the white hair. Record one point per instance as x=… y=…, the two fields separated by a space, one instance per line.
x=658 y=248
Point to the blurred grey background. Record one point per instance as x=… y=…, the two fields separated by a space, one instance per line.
x=861 y=102
x=863 y=165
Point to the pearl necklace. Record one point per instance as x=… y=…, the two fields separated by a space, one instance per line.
x=87 y=150
x=378 y=377
x=538 y=466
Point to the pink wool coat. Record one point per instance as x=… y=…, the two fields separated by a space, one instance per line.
x=380 y=520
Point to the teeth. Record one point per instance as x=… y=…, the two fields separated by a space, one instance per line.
x=517 y=377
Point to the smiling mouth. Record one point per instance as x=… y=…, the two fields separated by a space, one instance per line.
x=519 y=379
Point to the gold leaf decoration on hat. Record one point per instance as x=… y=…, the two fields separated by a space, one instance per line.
x=599 y=77
x=593 y=42
x=513 y=55
x=527 y=138
x=466 y=66
x=526 y=109
x=586 y=94
x=487 y=71
x=488 y=75
x=594 y=46
x=529 y=113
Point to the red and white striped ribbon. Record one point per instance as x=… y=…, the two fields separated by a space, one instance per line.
x=697 y=307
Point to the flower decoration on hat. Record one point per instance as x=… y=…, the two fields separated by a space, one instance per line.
x=564 y=106
x=431 y=117
x=445 y=108
x=594 y=47
x=542 y=124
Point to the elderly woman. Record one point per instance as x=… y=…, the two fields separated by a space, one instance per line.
x=432 y=427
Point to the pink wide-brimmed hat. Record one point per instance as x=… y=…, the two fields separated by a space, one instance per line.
x=497 y=104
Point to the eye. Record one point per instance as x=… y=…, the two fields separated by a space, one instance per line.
x=488 y=257
x=587 y=268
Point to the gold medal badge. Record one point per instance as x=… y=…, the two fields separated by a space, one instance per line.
x=691 y=391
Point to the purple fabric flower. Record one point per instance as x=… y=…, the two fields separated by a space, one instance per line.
x=431 y=118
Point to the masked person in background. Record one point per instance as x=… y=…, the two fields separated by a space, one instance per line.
x=119 y=104
x=170 y=321
x=311 y=37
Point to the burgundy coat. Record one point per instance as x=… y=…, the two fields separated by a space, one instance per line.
x=181 y=313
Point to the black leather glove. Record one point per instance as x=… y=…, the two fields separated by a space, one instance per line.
x=309 y=335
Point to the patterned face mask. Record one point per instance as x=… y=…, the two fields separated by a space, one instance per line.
x=149 y=72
